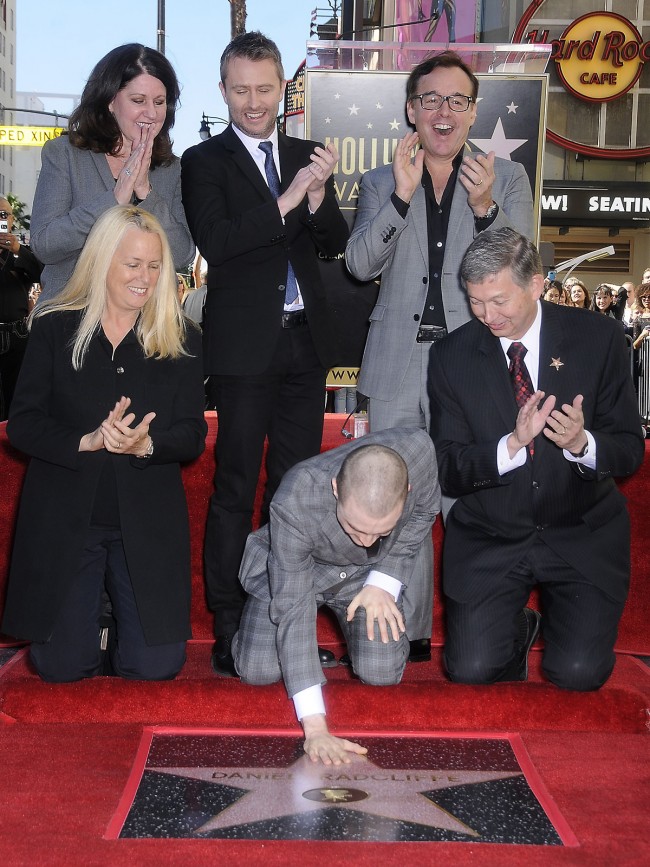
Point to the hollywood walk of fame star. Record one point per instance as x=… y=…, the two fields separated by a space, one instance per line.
x=501 y=145
x=556 y=363
x=271 y=793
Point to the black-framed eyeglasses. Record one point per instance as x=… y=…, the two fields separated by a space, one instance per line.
x=433 y=101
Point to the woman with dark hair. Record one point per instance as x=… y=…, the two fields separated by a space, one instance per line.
x=641 y=320
x=117 y=151
x=603 y=301
x=109 y=402
x=552 y=291
x=577 y=293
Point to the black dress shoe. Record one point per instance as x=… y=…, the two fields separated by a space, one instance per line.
x=529 y=626
x=420 y=650
x=327 y=658
x=221 y=659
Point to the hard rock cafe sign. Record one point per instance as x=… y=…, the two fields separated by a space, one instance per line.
x=598 y=58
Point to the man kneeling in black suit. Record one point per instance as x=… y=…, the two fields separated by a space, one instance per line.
x=530 y=447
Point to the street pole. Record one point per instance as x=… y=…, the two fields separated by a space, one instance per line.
x=161 y=26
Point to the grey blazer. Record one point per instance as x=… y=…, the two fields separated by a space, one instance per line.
x=382 y=243
x=303 y=555
x=74 y=189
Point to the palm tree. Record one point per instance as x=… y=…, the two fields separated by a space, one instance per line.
x=237 y=17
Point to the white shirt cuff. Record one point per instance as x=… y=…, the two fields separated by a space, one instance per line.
x=309 y=701
x=589 y=458
x=385 y=582
x=505 y=463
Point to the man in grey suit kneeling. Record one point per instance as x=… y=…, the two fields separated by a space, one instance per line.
x=345 y=528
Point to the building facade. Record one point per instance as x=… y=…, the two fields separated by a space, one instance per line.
x=596 y=166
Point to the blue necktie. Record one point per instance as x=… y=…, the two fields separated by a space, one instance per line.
x=291 y=290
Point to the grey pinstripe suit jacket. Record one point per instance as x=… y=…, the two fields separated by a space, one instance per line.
x=382 y=243
x=303 y=551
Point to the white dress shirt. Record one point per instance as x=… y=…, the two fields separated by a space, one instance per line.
x=530 y=340
x=252 y=145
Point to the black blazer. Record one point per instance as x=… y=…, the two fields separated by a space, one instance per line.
x=53 y=407
x=578 y=512
x=238 y=229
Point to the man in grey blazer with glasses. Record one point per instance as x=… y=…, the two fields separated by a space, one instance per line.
x=415 y=220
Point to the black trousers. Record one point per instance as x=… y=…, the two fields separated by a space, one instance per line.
x=285 y=404
x=580 y=624
x=13 y=342
x=73 y=650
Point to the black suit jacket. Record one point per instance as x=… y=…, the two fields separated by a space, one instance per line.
x=578 y=512
x=238 y=229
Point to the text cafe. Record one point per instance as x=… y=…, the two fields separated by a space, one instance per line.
x=596 y=186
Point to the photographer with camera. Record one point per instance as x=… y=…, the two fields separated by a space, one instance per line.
x=19 y=268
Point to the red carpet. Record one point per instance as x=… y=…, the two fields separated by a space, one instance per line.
x=423 y=701
x=63 y=783
x=66 y=750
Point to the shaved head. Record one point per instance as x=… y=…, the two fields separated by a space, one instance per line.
x=376 y=477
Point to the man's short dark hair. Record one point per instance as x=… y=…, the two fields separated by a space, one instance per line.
x=376 y=476
x=253 y=46
x=444 y=60
x=494 y=251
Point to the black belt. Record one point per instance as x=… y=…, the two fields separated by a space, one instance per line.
x=430 y=333
x=294 y=318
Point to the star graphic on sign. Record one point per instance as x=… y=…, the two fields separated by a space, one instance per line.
x=395 y=124
x=337 y=96
x=501 y=145
x=335 y=795
x=328 y=120
x=556 y=363
x=512 y=108
x=353 y=109
x=362 y=786
x=369 y=125
x=379 y=105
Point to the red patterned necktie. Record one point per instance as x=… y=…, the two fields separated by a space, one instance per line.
x=521 y=382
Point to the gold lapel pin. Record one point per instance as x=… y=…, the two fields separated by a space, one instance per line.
x=556 y=363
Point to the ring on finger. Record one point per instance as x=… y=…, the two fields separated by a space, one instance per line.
x=478 y=183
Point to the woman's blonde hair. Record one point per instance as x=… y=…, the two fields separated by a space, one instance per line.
x=160 y=327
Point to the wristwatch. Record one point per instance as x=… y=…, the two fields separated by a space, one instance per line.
x=149 y=451
x=489 y=214
x=583 y=452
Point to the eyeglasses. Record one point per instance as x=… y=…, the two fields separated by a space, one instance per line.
x=645 y=297
x=433 y=101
